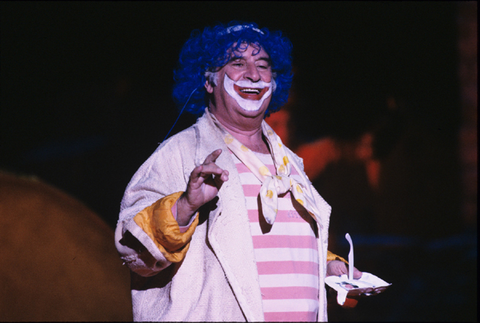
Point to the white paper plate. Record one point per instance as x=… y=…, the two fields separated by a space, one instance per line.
x=367 y=285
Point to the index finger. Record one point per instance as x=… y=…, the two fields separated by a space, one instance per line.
x=213 y=156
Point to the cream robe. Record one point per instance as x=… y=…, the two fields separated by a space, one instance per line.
x=218 y=279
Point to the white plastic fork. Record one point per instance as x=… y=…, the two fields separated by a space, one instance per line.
x=350 y=257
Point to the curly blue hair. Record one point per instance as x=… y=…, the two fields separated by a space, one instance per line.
x=209 y=51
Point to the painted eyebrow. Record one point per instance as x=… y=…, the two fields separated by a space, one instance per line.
x=234 y=58
x=266 y=59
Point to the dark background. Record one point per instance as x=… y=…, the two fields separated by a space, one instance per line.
x=85 y=99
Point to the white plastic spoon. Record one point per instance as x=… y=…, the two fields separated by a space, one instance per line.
x=350 y=257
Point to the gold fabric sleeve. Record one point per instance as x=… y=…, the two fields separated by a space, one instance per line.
x=331 y=256
x=160 y=225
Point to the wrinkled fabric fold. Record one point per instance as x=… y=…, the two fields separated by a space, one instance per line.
x=160 y=225
x=272 y=185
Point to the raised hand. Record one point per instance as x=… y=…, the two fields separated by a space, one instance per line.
x=203 y=185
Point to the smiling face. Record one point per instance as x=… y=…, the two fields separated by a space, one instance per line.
x=242 y=88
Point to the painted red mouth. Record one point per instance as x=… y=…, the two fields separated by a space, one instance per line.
x=250 y=93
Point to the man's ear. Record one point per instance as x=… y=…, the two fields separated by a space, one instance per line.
x=211 y=80
x=208 y=87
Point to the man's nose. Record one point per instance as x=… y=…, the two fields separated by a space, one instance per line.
x=252 y=73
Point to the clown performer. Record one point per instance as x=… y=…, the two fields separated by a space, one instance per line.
x=221 y=223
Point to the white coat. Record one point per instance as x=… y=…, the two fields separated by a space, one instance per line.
x=218 y=279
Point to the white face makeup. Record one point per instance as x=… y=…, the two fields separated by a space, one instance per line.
x=249 y=95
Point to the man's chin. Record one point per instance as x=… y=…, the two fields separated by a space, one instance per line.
x=253 y=105
x=251 y=109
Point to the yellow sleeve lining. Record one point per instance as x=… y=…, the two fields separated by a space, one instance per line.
x=331 y=256
x=160 y=225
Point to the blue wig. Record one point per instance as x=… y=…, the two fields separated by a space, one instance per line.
x=208 y=51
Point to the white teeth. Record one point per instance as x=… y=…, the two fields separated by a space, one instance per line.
x=256 y=91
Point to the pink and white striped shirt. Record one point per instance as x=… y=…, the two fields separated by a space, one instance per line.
x=286 y=252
